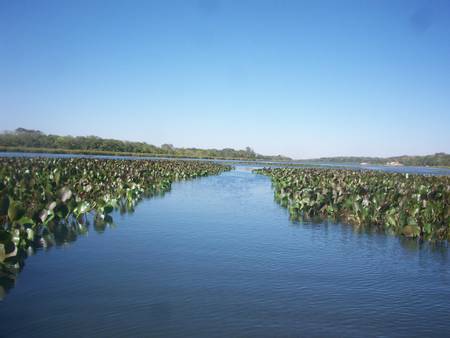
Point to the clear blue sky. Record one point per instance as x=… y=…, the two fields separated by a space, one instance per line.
x=300 y=78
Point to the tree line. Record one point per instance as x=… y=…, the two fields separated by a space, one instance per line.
x=23 y=139
x=435 y=160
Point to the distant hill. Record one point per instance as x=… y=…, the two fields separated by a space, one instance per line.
x=436 y=160
x=28 y=140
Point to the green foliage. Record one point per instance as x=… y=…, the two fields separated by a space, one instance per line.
x=36 y=141
x=47 y=201
x=408 y=205
x=435 y=160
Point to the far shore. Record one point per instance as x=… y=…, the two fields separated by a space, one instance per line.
x=299 y=163
x=113 y=153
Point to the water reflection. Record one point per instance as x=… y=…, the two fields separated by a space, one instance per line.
x=407 y=243
x=62 y=234
x=412 y=245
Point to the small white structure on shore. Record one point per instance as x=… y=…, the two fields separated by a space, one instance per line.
x=394 y=163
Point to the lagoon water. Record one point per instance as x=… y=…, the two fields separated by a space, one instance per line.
x=217 y=256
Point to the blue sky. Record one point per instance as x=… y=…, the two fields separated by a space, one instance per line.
x=300 y=78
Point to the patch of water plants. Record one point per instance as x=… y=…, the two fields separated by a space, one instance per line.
x=46 y=201
x=416 y=206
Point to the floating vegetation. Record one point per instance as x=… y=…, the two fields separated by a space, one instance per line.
x=409 y=205
x=45 y=201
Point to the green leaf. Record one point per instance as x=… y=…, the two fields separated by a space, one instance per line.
x=411 y=230
x=61 y=210
x=30 y=234
x=9 y=247
x=5 y=236
x=2 y=253
x=108 y=208
x=25 y=221
x=43 y=215
x=4 y=205
x=65 y=194
x=427 y=228
x=82 y=208
x=15 y=211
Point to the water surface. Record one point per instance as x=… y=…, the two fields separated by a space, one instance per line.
x=218 y=257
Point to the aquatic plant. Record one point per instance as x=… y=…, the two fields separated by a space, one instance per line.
x=409 y=205
x=44 y=201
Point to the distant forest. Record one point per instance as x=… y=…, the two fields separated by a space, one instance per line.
x=436 y=160
x=27 y=140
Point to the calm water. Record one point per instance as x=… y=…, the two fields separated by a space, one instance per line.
x=218 y=257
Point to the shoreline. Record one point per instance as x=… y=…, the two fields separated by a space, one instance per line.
x=299 y=163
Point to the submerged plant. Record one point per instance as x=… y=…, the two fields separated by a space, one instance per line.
x=409 y=205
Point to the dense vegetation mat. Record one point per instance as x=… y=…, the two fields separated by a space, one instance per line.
x=49 y=201
x=409 y=205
